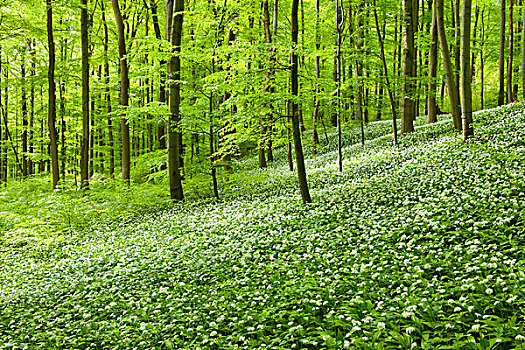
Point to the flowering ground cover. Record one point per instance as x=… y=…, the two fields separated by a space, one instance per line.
x=419 y=246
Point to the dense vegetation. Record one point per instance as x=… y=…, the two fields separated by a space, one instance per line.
x=416 y=246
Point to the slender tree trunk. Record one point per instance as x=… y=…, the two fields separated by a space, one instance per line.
x=51 y=96
x=510 y=95
x=162 y=88
x=452 y=90
x=339 y=20
x=457 y=45
x=174 y=134
x=385 y=71
x=501 y=91
x=432 y=71
x=3 y=181
x=275 y=17
x=407 y=87
x=359 y=71
x=84 y=144
x=108 y=95
x=32 y=48
x=522 y=56
x=25 y=121
x=466 y=76
x=124 y=91
x=299 y=157
x=315 y=140
x=482 y=60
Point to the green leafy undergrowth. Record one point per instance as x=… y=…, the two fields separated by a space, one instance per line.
x=32 y=216
x=418 y=246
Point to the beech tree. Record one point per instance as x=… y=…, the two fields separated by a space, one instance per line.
x=124 y=92
x=299 y=157
x=174 y=16
x=53 y=148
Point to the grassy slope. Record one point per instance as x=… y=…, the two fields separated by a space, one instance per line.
x=419 y=246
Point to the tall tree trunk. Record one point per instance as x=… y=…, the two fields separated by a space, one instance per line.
x=482 y=61
x=124 y=91
x=161 y=129
x=299 y=157
x=501 y=91
x=432 y=71
x=51 y=116
x=315 y=140
x=25 y=121
x=275 y=17
x=339 y=20
x=466 y=76
x=407 y=87
x=84 y=143
x=108 y=94
x=32 y=48
x=452 y=90
x=2 y=143
x=385 y=71
x=510 y=95
x=522 y=56
x=457 y=44
x=359 y=71
x=174 y=135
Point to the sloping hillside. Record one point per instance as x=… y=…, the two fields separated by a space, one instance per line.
x=419 y=246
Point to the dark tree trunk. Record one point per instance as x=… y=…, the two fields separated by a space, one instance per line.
x=161 y=129
x=25 y=121
x=432 y=71
x=52 y=97
x=466 y=76
x=84 y=143
x=108 y=95
x=510 y=95
x=452 y=90
x=174 y=135
x=501 y=91
x=299 y=157
x=339 y=20
x=385 y=71
x=124 y=91
x=408 y=86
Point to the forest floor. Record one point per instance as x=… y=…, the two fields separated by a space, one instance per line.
x=416 y=246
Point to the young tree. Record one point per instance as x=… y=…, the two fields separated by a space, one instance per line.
x=124 y=91
x=174 y=138
x=299 y=157
x=51 y=96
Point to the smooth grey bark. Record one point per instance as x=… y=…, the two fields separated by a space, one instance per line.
x=466 y=76
x=407 y=87
x=124 y=91
x=449 y=74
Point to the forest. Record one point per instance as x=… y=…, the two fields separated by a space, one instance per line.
x=283 y=174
